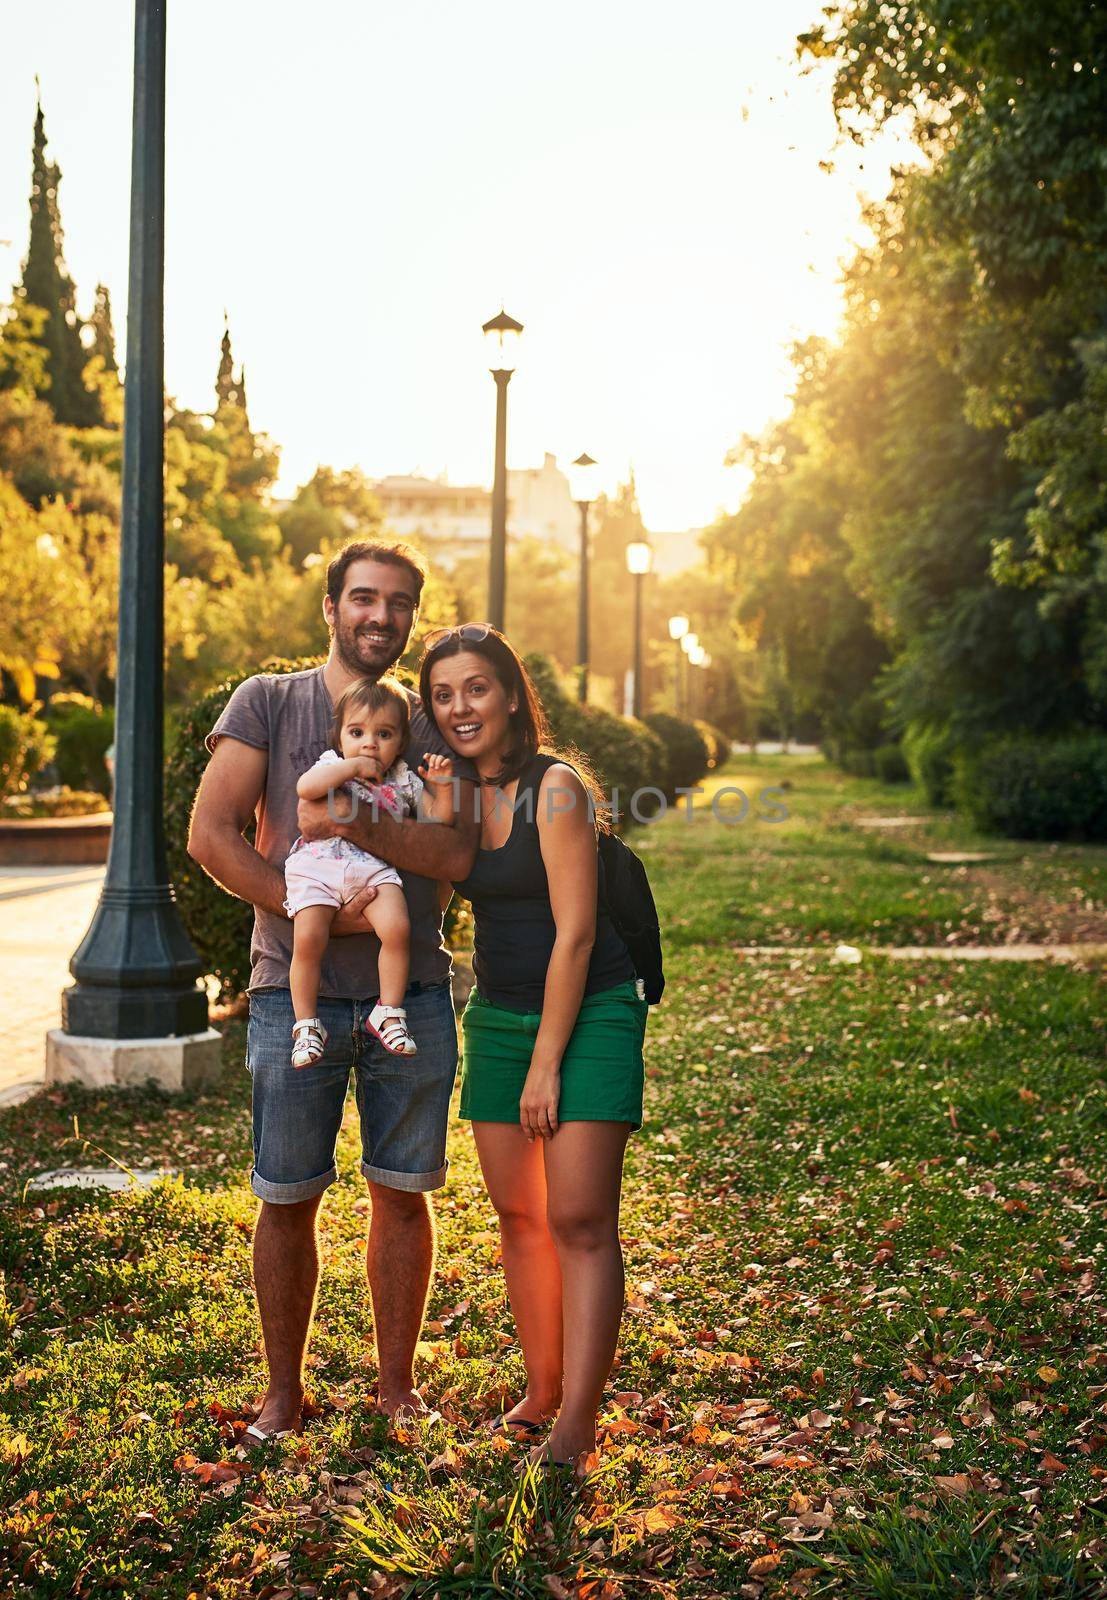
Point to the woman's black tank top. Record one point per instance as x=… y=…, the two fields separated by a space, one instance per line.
x=515 y=929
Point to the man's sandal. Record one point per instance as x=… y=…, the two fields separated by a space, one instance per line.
x=389 y=1025
x=309 y=1038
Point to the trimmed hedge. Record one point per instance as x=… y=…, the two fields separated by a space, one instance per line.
x=930 y=755
x=687 y=755
x=83 y=731
x=890 y=764
x=626 y=755
x=25 y=748
x=1027 y=788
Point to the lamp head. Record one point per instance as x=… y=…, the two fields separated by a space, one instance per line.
x=688 y=643
x=678 y=627
x=583 y=485
x=639 y=557
x=501 y=340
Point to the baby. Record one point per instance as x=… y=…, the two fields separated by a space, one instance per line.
x=370 y=733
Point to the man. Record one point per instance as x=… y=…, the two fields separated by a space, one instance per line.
x=273 y=728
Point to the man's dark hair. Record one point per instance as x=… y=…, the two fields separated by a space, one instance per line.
x=389 y=555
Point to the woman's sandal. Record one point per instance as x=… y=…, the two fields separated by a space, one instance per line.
x=389 y=1025
x=309 y=1039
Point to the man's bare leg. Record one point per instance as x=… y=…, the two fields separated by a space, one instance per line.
x=286 y=1272
x=399 y=1259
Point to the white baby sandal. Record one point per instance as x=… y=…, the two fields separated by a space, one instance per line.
x=389 y=1025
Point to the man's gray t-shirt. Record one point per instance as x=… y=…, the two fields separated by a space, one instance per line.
x=289 y=715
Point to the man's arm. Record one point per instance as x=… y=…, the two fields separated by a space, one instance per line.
x=225 y=804
x=431 y=849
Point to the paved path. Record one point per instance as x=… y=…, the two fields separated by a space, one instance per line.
x=942 y=952
x=44 y=913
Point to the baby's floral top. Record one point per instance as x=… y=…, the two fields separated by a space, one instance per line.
x=398 y=793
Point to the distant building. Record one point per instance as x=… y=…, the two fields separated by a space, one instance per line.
x=539 y=504
x=454 y=519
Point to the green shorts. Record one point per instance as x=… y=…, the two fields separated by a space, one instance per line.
x=601 y=1070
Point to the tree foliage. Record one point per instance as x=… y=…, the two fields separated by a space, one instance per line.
x=47 y=285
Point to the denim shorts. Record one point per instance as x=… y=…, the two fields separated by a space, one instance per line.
x=403 y=1101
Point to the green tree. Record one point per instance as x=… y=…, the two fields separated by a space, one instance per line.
x=330 y=508
x=1002 y=238
x=47 y=284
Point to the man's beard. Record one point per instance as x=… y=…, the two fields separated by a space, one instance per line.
x=369 y=658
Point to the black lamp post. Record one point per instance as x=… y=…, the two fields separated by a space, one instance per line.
x=582 y=487
x=136 y=970
x=639 y=562
x=502 y=334
x=678 y=627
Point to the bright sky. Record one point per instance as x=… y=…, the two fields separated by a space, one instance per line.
x=362 y=184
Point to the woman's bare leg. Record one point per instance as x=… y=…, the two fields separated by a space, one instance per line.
x=387 y=916
x=311 y=929
x=584 y=1169
x=516 y=1182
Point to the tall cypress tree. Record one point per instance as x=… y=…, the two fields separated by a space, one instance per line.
x=103 y=340
x=47 y=284
x=229 y=391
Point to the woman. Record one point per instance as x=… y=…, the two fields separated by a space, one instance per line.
x=553 y=1037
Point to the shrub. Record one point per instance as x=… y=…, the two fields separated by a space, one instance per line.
x=25 y=748
x=1027 y=788
x=857 y=762
x=53 y=803
x=687 y=754
x=625 y=754
x=930 y=754
x=83 y=732
x=890 y=764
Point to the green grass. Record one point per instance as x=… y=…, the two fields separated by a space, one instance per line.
x=817 y=877
x=864 y=1351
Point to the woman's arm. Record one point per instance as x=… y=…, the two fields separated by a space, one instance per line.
x=318 y=781
x=567 y=835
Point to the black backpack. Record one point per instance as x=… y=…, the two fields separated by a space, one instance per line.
x=629 y=901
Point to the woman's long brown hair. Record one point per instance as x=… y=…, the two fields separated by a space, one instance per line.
x=530 y=728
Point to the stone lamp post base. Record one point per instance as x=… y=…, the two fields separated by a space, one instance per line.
x=187 y=1061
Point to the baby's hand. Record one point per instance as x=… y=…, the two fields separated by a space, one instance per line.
x=438 y=770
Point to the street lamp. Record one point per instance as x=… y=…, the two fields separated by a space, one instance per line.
x=583 y=488
x=502 y=343
x=688 y=644
x=678 y=627
x=136 y=1010
x=639 y=562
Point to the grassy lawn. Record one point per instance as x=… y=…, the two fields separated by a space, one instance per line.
x=864 y=1353
x=818 y=876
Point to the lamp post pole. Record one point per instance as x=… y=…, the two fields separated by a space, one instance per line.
x=582 y=474
x=678 y=627
x=136 y=970
x=582 y=608
x=639 y=562
x=497 y=557
x=502 y=333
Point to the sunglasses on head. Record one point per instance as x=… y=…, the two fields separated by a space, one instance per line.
x=468 y=633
